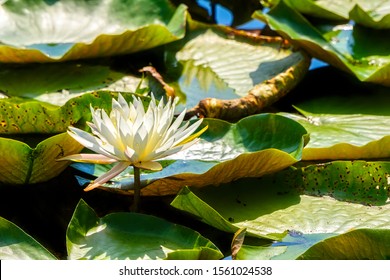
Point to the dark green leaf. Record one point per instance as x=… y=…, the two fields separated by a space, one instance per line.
x=132 y=236
x=15 y=244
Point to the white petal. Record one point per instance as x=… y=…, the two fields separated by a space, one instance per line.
x=187 y=132
x=115 y=171
x=89 y=158
x=91 y=142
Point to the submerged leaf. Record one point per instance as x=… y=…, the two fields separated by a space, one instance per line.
x=133 y=236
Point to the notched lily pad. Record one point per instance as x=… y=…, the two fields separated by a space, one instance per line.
x=133 y=236
x=252 y=147
x=48 y=31
x=23 y=164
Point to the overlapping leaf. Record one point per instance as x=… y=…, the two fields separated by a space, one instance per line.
x=26 y=157
x=21 y=116
x=354 y=181
x=23 y=164
x=342 y=45
x=56 y=83
x=252 y=147
x=371 y=13
x=270 y=210
x=360 y=244
x=15 y=244
x=223 y=63
x=47 y=31
x=345 y=136
x=133 y=236
x=332 y=10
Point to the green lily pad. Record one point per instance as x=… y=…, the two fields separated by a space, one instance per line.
x=354 y=136
x=349 y=97
x=373 y=14
x=268 y=212
x=223 y=63
x=342 y=45
x=21 y=116
x=15 y=244
x=57 y=83
x=291 y=247
x=133 y=236
x=370 y=13
x=252 y=147
x=353 y=181
x=25 y=164
x=47 y=31
x=360 y=244
x=332 y=10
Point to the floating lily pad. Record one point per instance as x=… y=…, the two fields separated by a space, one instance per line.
x=21 y=116
x=252 y=147
x=360 y=244
x=226 y=64
x=25 y=164
x=344 y=136
x=56 y=83
x=371 y=13
x=342 y=45
x=133 y=236
x=365 y=182
x=268 y=212
x=47 y=31
x=27 y=158
x=332 y=10
x=15 y=244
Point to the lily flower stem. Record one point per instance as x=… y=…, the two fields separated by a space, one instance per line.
x=137 y=189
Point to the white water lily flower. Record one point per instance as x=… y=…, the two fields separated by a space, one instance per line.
x=129 y=136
